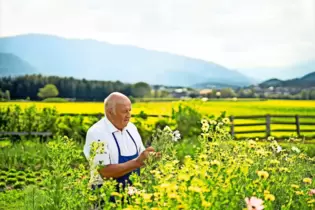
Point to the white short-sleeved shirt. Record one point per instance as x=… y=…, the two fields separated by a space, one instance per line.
x=102 y=131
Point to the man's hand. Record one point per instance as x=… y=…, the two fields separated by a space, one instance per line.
x=145 y=154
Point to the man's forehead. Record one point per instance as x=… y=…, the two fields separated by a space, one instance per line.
x=123 y=105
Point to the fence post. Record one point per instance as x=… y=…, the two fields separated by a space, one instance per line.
x=268 y=130
x=297 y=123
x=232 y=125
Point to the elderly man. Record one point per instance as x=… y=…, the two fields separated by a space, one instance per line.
x=124 y=151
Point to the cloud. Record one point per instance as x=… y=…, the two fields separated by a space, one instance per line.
x=242 y=34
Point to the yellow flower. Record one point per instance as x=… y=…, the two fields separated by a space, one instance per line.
x=294 y=186
x=266 y=192
x=215 y=162
x=311 y=201
x=263 y=174
x=181 y=207
x=206 y=204
x=184 y=177
x=269 y=197
x=195 y=189
x=307 y=180
x=116 y=194
x=283 y=169
x=251 y=143
x=92 y=198
x=226 y=120
x=276 y=162
x=173 y=195
x=299 y=192
x=147 y=197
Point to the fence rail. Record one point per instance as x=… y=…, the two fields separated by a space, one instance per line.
x=268 y=122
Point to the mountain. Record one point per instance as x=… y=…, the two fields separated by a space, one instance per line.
x=302 y=82
x=309 y=77
x=283 y=73
x=12 y=65
x=91 y=59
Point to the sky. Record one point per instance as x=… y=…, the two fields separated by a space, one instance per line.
x=242 y=35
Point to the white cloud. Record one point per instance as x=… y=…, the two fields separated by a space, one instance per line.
x=237 y=34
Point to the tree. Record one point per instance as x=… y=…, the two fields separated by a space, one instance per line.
x=50 y=90
x=305 y=94
x=312 y=94
x=7 y=95
x=141 y=89
x=227 y=92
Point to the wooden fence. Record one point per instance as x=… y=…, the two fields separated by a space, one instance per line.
x=268 y=122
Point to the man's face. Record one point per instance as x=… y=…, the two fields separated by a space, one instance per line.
x=123 y=114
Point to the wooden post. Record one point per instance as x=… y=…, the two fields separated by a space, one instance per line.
x=297 y=123
x=232 y=125
x=268 y=130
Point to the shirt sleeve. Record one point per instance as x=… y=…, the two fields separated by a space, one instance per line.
x=102 y=156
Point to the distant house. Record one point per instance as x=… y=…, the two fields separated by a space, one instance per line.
x=179 y=93
x=205 y=92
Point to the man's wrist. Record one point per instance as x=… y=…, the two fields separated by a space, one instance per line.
x=137 y=163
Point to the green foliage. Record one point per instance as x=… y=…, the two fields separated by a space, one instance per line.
x=191 y=173
x=5 y=96
x=187 y=120
x=141 y=89
x=50 y=90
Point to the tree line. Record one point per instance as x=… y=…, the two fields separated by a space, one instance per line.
x=32 y=87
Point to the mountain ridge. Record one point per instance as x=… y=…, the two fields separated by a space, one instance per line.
x=307 y=80
x=105 y=61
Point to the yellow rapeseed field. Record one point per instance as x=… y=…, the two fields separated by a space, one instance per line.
x=210 y=107
x=215 y=107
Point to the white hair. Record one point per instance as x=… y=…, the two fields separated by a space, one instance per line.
x=111 y=100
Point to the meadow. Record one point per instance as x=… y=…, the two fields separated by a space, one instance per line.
x=203 y=169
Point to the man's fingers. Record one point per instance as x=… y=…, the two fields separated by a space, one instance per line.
x=150 y=149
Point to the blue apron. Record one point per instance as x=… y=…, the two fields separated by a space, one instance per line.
x=122 y=159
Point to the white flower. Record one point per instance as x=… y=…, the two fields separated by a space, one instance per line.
x=132 y=190
x=295 y=149
x=176 y=135
x=167 y=129
x=205 y=127
x=279 y=149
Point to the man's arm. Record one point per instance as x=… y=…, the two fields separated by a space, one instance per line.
x=118 y=170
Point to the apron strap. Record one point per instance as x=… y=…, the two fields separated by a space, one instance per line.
x=133 y=141
x=119 y=152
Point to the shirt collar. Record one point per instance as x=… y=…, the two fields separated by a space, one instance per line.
x=110 y=126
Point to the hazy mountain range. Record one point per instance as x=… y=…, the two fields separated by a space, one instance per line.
x=305 y=81
x=90 y=59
